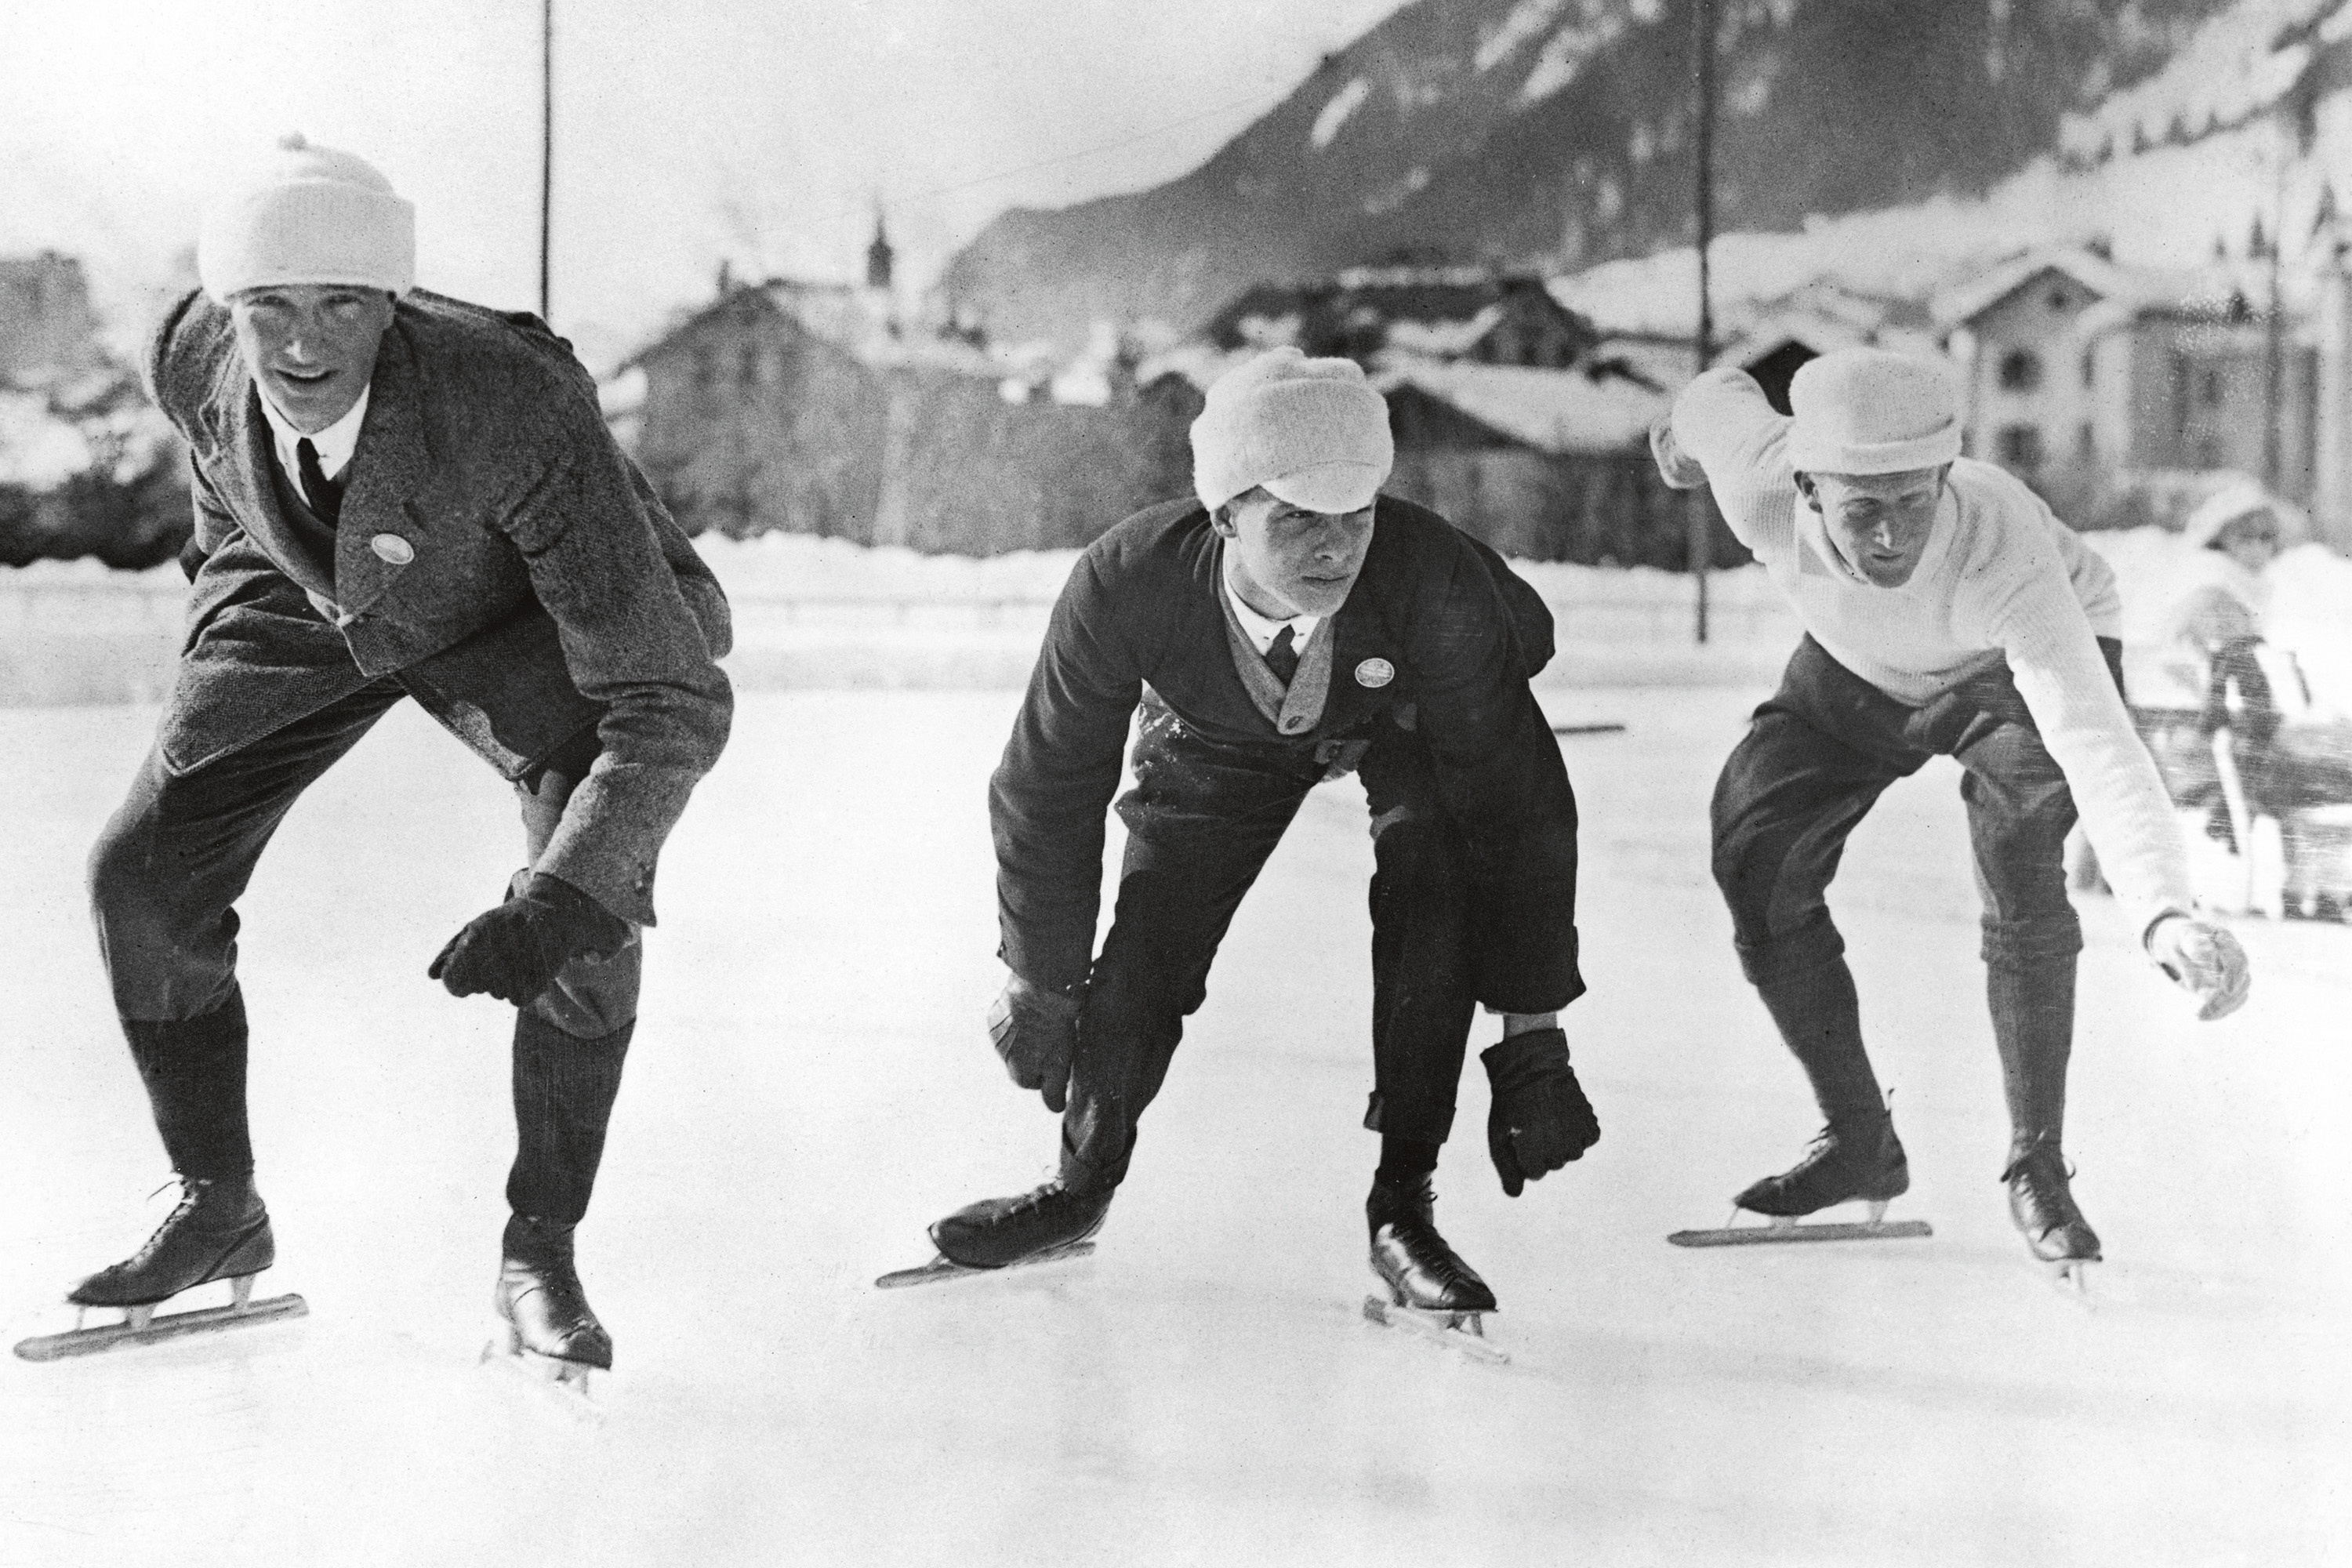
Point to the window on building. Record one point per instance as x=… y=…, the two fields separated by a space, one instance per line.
x=2020 y=371
x=2087 y=442
x=752 y=364
x=2058 y=300
x=2018 y=448
x=706 y=369
x=2211 y=390
x=2090 y=368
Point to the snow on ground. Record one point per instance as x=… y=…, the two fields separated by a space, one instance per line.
x=812 y=1086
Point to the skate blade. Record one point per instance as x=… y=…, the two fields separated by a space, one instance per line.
x=939 y=1270
x=1775 y=1230
x=145 y=1326
x=1462 y=1332
x=572 y=1386
x=2071 y=1277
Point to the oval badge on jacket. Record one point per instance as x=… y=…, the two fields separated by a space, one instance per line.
x=392 y=549
x=1375 y=673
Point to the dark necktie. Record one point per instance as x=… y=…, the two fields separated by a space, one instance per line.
x=325 y=496
x=1282 y=657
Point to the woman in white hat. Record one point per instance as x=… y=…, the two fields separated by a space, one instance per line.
x=1947 y=611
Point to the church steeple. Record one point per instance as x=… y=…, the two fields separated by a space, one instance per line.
x=878 y=256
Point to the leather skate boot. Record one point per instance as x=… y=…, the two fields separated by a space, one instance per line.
x=539 y=1299
x=997 y=1232
x=1852 y=1158
x=218 y=1230
x=1420 y=1271
x=2042 y=1203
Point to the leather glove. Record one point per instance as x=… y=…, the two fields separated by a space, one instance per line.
x=514 y=951
x=2203 y=960
x=1539 y=1120
x=1036 y=1032
x=1678 y=468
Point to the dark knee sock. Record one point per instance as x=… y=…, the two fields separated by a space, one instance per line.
x=1820 y=1018
x=1405 y=1160
x=194 y=1072
x=2032 y=1004
x=564 y=1087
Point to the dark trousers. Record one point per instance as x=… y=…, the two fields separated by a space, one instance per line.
x=164 y=879
x=1202 y=820
x=1816 y=757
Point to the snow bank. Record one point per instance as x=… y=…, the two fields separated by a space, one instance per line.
x=819 y=613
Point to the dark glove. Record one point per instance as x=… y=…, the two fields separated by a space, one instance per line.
x=1036 y=1032
x=513 y=952
x=1540 y=1119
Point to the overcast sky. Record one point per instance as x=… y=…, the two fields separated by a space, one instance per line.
x=762 y=132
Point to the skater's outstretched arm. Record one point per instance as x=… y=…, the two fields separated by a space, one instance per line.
x=2035 y=617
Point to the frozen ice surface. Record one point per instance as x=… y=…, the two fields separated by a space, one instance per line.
x=812 y=1086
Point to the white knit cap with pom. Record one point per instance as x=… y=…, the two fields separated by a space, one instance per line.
x=307 y=214
x=1312 y=431
x=1872 y=411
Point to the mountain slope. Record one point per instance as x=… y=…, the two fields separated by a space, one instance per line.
x=1557 y=132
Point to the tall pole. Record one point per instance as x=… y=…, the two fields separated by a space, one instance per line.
x=1699 y=521
x=546 y=140
x=2273 y=356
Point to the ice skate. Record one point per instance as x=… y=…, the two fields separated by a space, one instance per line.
x=1051 y=1223
x=1431 y=1290
x=545 y=1324
x=2042 y=1203
x=1856 y=1160
x=217 y=1231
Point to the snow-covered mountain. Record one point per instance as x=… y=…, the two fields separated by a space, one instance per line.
x=1559 y=133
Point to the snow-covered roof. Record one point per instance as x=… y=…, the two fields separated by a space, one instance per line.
x=2123 y=292
x=1442 y=338
x=1966 y=300
x=840 y=313
x=851 y=318
x=1441 y=311
x=1555 y=411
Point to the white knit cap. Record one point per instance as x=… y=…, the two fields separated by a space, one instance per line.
x=307 y=214
x=2241 y=499
x=1312 y=431
x=1870 y=411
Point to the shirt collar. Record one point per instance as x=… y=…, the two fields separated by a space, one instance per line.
x=1262 y=631
x=335 y=444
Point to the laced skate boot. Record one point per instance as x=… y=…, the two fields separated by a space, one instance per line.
x=1860 y=1158
x=996 y=1233
x=2042 y=1204
x=1420 y=1271
x=218 y=1230
x=540 y=1300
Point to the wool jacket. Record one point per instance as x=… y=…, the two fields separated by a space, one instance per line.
x=495 y=553
x=1437 y=637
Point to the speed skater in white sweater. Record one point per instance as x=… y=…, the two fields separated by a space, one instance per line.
x=1947 y=611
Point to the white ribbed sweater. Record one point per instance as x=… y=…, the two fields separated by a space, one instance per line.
x=2002 y=579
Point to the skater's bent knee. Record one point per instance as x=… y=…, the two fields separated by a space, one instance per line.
x=1784 y=953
